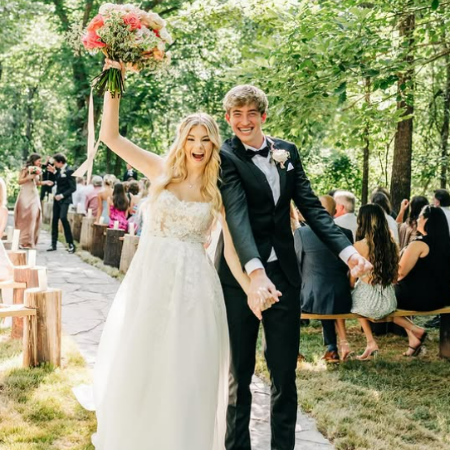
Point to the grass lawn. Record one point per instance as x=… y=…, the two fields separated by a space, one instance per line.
x=37 y=408
x=391 y=403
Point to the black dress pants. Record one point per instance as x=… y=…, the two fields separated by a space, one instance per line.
x=60 y=213
x=329 y=333
x=281 y=325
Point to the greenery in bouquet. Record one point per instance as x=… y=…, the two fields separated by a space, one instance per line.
x=135 y=39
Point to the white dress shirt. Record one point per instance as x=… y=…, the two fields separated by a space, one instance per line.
x=273 y=177
x=446 y=210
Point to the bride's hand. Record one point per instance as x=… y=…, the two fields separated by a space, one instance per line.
x=119 y=65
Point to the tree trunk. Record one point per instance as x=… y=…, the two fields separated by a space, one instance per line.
x=29 y=124
x=401 y=167
x=445 y=126
x=366 y=151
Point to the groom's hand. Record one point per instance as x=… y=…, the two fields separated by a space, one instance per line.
x=359 y=266
x=261 y=291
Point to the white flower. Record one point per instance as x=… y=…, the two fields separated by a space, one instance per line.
x=106 y=8
x=154 y=21
x=280 y=156
x=165 y=36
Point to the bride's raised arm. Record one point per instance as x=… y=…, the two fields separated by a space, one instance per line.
x=150 y=164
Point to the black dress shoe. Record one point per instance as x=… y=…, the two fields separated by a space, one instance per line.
x=51 y=249
x=71 y=248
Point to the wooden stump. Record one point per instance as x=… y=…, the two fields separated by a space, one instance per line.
x=130 y=245
x=87 y=232
x=98 y=240
x=29 y=276
x=18 y=258
x=76 y=226
x=42 y=339
x=113 y=247
x=444 y=341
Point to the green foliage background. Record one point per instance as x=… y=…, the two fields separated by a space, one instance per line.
x=331 y=70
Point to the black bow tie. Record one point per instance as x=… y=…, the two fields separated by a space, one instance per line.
x=263 y=152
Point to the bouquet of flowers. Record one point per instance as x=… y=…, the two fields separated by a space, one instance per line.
x=34 y=170
x=134 y=39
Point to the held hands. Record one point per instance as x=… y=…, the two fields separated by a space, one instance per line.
x=359 y=266
x=262 y=293
x=58 y=197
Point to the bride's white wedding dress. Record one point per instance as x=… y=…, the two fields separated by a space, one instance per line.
x=160 y=380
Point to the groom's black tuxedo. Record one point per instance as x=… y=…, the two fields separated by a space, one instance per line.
x=257 y=225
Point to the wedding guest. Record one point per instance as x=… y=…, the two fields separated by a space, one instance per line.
x=130 y=174
x=92 y=196
x=381 y=199
x=425 y=265
x=442 y=199
x=46 y=188
x=386 y=192
x=345 y=211
x=133 y=197
x=137 y=219
x=407 y=230
x=80 y=194
x=104 y=194
x=118 y=207
x=65 y=187
x=325 y=287
x=374 y=295
x=3 y=207
x=27 y=211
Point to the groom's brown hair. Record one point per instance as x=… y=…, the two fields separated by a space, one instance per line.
x=245 y=95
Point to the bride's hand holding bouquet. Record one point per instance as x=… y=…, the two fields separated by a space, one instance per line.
x=131 y=39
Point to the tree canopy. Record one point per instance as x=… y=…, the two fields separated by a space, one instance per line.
x=362 y=87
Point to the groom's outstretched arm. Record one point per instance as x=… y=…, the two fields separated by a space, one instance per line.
x=318 y=219
x=235 y=203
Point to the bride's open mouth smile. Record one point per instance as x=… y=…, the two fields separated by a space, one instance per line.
x=199 y=157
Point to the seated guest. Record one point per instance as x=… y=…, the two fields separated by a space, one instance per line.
x=442 y=199
x=133 y=197
x=325 y=288
x=79 y=196
x=104 y=195
x=407 y=230
x=345 y=211
x=92 y=196
x=137 y=218
x=374 y=295
x=379 y=198
x=425 y=265
x=382 y=189
x=118 y=207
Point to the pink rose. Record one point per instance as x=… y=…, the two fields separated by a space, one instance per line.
x=132 y=20
x=96 y=23
x=92 y=40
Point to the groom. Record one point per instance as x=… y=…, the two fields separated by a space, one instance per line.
x=260 y=176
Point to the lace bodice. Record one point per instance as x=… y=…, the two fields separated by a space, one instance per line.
x=173 y=218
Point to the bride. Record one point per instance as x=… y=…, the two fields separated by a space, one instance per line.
x=160 y=380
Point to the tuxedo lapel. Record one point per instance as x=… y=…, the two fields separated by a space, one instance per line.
x=239 y=150
x=282 y=174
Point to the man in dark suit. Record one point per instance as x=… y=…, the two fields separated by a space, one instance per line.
x=130 y=173
x=260 y=176
x=47 y=176
x=65 y=187
x=325 y=283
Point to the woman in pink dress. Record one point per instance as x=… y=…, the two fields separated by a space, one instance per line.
x=118 y=207
x=27 y=212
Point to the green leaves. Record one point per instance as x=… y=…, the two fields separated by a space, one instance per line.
x=434 y=4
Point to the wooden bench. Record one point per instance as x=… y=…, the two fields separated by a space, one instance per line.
x=444 y=336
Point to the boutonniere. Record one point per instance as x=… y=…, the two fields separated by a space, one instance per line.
x=278 y=155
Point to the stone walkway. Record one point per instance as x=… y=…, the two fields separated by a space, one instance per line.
x=87 y=295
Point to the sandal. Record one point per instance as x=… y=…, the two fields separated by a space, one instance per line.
x=416 y=351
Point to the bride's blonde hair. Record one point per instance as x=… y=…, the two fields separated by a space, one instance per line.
x=175 y=170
